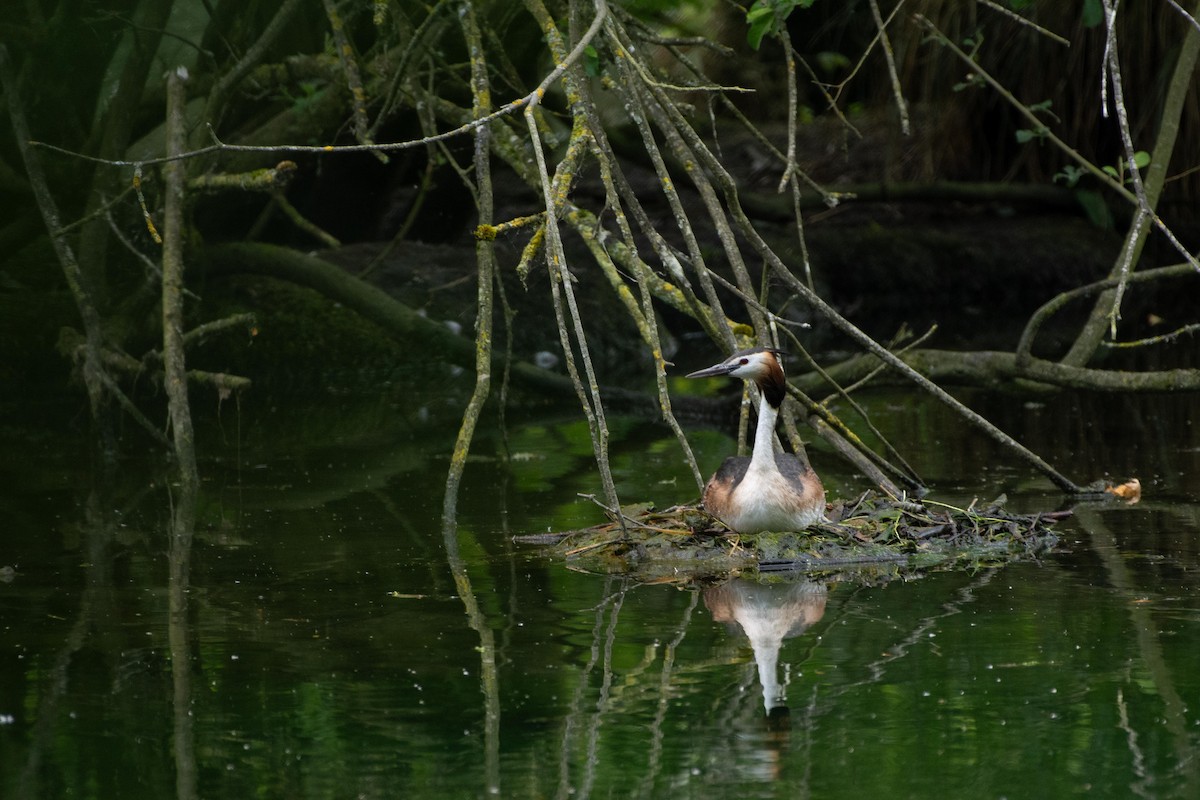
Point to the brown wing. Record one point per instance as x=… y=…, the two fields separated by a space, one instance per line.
x=720 y=486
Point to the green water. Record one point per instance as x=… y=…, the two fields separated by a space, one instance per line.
x=331 y=648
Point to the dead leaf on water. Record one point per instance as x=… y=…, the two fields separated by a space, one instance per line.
x=1130 y=491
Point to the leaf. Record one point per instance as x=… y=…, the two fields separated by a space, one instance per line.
x=757 y=30
x=1130 y=491
x=591 y=61
x=759 y=12
x=1025 y=135
x=1070 y=175
x=1141 y=159
x=763 y=15
x=1095 y=208
x=1093 y=13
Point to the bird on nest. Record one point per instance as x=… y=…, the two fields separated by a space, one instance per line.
x=769 y=490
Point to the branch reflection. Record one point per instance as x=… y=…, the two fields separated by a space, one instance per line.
x=179 y=554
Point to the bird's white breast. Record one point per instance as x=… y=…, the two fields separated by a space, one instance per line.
x=766 y=501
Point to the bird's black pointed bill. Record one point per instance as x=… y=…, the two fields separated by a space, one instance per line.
x=717 y=371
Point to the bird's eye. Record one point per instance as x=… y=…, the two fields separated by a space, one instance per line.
x=743 y=361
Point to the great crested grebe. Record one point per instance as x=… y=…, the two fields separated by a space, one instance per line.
x=768 y=491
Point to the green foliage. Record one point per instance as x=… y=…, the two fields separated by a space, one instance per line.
x=591 y=62
x=765 y=15
x=1091 y=201
x=1095 y=208
x=830 y=61
x=1026 y=135
x=1121 y=171
x=306 y=98
x=1039 y=133
x=973 y=79
x=1093 y=13
x=1070 y=175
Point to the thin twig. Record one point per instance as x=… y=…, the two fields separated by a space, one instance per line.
x=556 y=260
x=1178 y=89
x=650 y=322
x=1189 y=17
x=670 y=122
x=747 y=230
x=410 y=218
x=1146 y=204
x=400 y=71
x=646 y=34
x=358 y=96
x=219 y=146
x=890 y=57
x=303 y=223
x=93 y=369
x=1025 y=111
x=1112 y=67
x=133 y=411
x=789 y=59
x=215 y=105
x=1028 y=22
x=625 y=62
x=841 y=85
x=1163 y=338
x=105 y=208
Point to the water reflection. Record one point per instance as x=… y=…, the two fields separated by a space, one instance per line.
x=768 y=613
x=304 y=645
x=179 y=637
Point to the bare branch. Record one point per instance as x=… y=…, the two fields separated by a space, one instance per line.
x=1051 y=35
x=897 y=93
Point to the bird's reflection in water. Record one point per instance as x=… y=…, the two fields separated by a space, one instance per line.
x=768 y=614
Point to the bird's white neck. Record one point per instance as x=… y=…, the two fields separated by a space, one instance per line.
x=763 y=455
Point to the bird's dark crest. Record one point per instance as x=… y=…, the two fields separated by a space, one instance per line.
x=774 y=385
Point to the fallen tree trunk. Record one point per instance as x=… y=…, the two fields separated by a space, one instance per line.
x=999 y=370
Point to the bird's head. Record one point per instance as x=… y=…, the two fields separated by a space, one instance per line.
x=759 y=364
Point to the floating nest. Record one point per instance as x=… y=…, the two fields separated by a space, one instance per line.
x=870 y=533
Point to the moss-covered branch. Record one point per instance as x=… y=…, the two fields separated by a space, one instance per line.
x=1001 y=371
